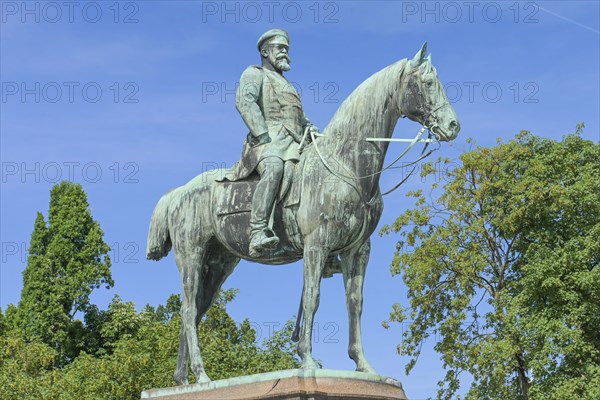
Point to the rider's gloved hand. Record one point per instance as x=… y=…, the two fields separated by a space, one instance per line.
x=307 y=143
x=258 y=140
x=311 y=129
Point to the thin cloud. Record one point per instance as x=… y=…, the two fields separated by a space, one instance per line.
x=570 y=20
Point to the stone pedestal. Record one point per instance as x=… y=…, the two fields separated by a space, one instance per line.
x=293 y=384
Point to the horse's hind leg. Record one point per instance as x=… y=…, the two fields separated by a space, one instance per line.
x=217 y=266
x=354 y=266
x=190 y=263
x=181 y=372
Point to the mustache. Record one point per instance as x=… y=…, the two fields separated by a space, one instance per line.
x=283 y=57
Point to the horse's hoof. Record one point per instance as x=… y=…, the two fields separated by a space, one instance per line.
x=180 y=382
x=202 y=378
x=309 y=365
x=366 y=368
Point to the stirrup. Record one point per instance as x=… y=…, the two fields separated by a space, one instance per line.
x=260 y=242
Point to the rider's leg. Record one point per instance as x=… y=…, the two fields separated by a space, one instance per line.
x=271 y=171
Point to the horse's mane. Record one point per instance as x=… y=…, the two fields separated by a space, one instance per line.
x=364 y=108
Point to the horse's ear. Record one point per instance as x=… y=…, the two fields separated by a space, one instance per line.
x=429 y=57
x=420 y=56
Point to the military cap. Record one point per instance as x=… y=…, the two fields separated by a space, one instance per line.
x=273 y=33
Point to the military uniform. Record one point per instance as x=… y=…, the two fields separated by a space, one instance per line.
x=271 y=108
x=268 y=103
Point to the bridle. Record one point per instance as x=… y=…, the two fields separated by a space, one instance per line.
x=432 y=137
x=413 y=142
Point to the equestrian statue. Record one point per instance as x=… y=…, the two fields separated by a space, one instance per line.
x=296 y=193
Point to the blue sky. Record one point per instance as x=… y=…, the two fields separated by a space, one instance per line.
x=131 y=99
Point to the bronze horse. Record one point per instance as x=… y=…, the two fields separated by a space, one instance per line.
x=327 y=211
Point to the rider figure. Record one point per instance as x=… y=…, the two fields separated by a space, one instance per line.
x=272 y=110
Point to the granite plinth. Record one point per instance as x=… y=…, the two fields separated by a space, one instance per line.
x=295 y=384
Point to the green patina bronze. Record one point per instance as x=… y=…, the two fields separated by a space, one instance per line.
x=283 y=202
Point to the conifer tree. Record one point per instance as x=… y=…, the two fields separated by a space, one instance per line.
x=68 y=259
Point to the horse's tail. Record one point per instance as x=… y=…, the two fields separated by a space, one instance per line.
x=159 y=240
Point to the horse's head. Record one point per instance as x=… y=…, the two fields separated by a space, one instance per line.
x=424 y=99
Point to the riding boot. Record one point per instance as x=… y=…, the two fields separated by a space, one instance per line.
x=261 y=237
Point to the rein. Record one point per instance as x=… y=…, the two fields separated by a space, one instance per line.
x=413 y=142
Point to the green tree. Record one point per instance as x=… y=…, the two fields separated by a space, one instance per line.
x=11 y=321
x=505 y=266
x=229 y=349
x=2 y=323
x=25 y=368
x=170 y=309
x=68 y=258
x=143 y=354
x=46 y=353
x=137 y=351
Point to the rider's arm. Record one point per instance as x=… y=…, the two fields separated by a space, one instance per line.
x=246 y=101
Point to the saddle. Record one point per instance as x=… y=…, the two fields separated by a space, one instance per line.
x=233 y=204
x=238 y=194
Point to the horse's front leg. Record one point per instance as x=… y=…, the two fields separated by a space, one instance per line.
x=354 y=266
x=315 y=256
